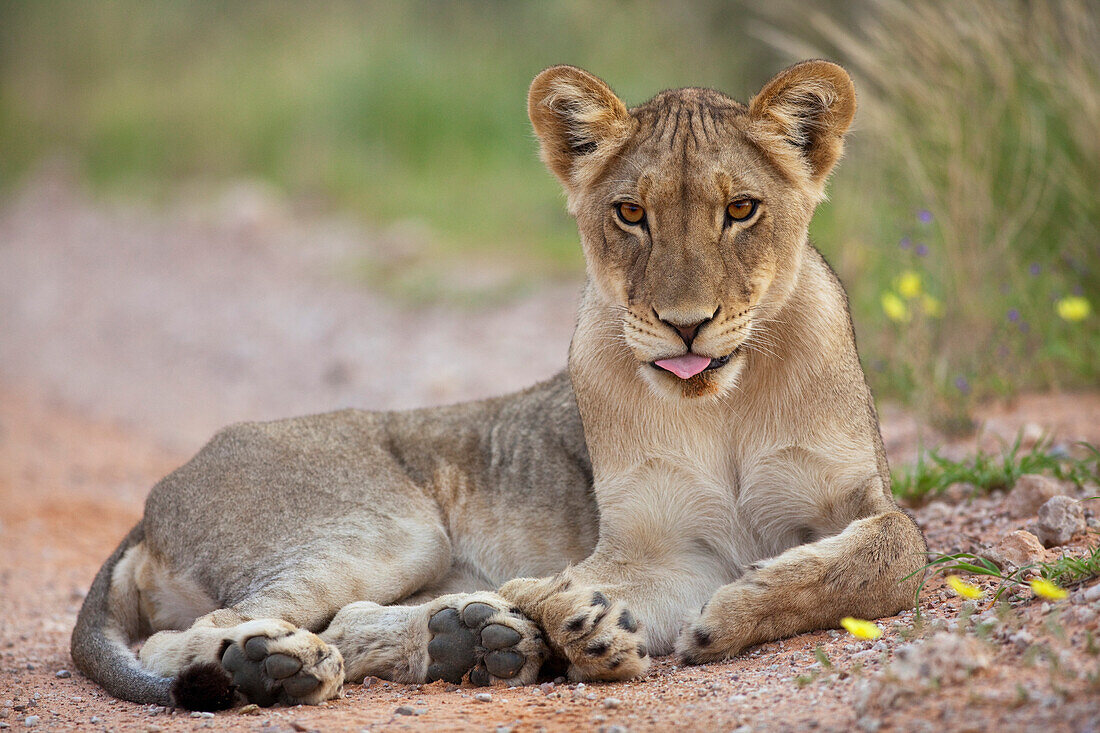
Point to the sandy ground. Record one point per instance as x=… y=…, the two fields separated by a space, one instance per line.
x=127 y=337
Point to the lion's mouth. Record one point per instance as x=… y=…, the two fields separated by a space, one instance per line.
x=690 y=364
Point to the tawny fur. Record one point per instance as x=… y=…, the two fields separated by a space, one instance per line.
x=605 y=506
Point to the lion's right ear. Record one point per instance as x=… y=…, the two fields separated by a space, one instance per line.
x=579 y=120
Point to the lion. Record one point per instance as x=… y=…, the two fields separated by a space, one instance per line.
x=708 y=474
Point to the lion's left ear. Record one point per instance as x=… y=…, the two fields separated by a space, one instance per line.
x=799 y=118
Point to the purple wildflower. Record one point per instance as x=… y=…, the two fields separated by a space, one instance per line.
x=925 y=216
x=922 y=249
x=962 y=384
x=1013 y=315
x=1035 y=269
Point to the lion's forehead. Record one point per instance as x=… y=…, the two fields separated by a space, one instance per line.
x=691 y=148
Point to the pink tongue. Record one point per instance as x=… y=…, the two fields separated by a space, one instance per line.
x=685 y=366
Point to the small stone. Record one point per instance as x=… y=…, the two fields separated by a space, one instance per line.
x=153 y=728
x=249 y=709
x=943 y=658
x=1059 y=519
x=63 y=674
x=404 y=710
x=1093 y=593
x=1015 y=550
x=547 y=687
x=1029 y=493
x=206 y=715
x=503 y=729
x=95 y=720
x=30 y=721
x=612 y=729
x=196 y=714
x=869 y=725
x=483 y=697
x=612 y=702
x=959 y=492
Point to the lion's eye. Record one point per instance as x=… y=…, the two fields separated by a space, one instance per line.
x=741 y=209
x=630 y=213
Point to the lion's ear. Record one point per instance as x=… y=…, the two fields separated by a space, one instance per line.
x=578 y=119
x=800 y=117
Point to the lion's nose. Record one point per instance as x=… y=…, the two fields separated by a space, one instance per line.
x=687 y=328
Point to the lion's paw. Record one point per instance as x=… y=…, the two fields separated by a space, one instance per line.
x=272 y=661
x=482 y=635
x=601 y=638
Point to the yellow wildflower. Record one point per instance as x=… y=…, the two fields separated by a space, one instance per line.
x=908 y=284
x=894 y=307
x=861 y=629
x=1045 y=589
x=1073 y=308
x=932 y=306
x=964 y=589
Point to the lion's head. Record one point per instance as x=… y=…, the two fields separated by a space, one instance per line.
x=693 y=208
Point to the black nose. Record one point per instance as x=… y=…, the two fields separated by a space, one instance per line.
x=687 y=331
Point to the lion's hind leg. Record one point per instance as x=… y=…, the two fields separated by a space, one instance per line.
x=224 y=659
x=464 y=636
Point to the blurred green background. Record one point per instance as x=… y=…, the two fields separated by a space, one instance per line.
x=965 y=221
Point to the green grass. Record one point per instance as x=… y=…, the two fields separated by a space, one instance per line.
x=933 y=473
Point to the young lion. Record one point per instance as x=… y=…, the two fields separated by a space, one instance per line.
x=713 y=445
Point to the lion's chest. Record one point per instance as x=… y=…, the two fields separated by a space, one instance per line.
x=711 y=505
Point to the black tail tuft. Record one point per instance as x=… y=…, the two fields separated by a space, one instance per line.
x=205 y=687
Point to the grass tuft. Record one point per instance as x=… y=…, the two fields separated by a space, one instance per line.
x=933 y=473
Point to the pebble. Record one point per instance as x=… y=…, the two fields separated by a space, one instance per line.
x=483 y=697
x=1029 y=493
x=1015 y=550
x=95 y=720
x=503 y=729
x=612 y=729
x=546 y=688
x=1059 y=519
x=404 y=710
x=612 y=702
x=1093 y=593
x=63 y=674
x=30 y=721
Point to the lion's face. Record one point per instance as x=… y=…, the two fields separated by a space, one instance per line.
x=693 y=209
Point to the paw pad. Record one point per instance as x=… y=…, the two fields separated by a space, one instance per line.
x=464 y=642
x=264 y=678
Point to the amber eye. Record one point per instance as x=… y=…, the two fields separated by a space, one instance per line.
x=630 y=213
x=741 y=209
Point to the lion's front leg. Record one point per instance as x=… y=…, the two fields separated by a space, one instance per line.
x=857 y=573
x=599 y=636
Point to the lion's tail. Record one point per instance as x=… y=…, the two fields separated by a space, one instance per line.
x=103 y=634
